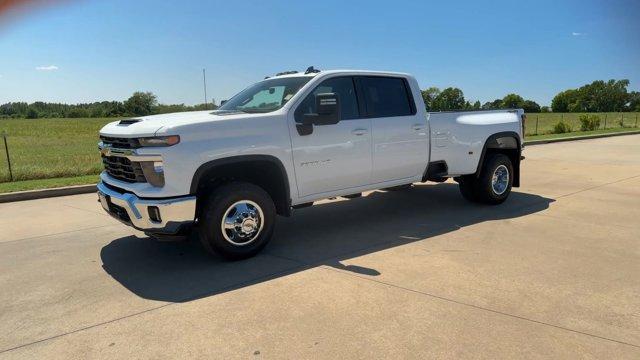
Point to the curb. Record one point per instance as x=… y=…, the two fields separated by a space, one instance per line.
x=47 y=193
x=583 y=137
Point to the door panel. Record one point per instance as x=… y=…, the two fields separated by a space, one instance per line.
x=400 y=135
x=400 y=148
x=332 y=157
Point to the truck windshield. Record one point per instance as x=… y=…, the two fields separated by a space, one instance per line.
x=265 y=96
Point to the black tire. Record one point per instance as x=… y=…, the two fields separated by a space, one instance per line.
x=467 y=185
x=483 y=189
x=213 y=237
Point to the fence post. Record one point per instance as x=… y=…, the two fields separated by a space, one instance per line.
x=605 y=121
x=537 y=124
x=622 y=121
x=636 y=125
x=6 y=150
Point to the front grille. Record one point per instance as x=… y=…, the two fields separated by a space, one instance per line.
x=120 y=143
x=123 y=169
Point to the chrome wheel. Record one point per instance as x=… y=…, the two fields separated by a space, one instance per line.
x=500 y=180
x=242 y=222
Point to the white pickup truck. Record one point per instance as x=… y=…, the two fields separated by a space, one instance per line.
x=293 y=139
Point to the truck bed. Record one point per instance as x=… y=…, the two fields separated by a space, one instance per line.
x=457 y=138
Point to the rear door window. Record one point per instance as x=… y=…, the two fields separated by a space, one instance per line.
x=386 y=96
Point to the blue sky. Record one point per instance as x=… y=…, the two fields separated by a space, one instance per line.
x=81 y=51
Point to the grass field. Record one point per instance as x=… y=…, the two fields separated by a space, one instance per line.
x=66 y=149
x=546 y=121
x=50 y=148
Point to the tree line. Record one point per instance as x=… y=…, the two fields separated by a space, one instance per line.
x=599 y=96
x=453 y=99
x=139 y=104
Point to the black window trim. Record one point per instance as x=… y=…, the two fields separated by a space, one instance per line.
x=359 y=103
x=407 y=89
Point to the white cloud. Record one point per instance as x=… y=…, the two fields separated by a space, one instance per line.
x=578 y=34
x=47 y=68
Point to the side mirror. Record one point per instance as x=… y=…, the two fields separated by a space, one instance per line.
x=327 y=108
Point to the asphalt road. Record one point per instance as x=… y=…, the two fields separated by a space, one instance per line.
x=552 y=273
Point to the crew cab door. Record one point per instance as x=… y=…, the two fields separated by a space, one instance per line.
x=332 y=157
x=400 y=135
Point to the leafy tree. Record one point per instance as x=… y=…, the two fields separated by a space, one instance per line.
x=429 y=95
x=78 y=112
x=476 y=105
x=97 y=112
x=634 y=101
x=512 y=101
x=449 y=99
x=545 y=109
x=531 y=106
x=495 y=104
x=562 y=100
x=599 y=96
x=141 y=103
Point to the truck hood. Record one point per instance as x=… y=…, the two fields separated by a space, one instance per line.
x=163 y=123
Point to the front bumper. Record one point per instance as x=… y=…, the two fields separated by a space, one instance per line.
x=172 y=214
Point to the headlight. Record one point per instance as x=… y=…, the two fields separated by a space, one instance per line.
x=159 y=141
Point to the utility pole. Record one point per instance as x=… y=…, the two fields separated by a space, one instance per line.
x=204 y=81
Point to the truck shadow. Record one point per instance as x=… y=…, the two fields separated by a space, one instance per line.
x=324 y=234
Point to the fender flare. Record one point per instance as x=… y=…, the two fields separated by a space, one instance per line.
x=503 y=140
x=210 y=165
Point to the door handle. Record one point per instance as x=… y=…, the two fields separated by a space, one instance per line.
x=359 y=132
x=417 y=127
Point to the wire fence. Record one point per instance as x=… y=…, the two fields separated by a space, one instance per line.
x=543 y=123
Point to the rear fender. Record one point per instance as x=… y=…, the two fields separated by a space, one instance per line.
x=508 y=143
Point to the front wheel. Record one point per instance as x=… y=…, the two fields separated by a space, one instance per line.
x=237 y=221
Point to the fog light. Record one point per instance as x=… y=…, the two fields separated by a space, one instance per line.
x=154 y=213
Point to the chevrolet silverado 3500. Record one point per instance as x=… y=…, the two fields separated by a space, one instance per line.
x=293 y=139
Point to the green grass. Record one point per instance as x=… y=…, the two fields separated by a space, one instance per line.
x=8 y=187
x=578 y=133
x=546 y=121
x=51 y=148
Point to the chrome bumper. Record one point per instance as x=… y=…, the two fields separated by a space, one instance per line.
x=134 y=211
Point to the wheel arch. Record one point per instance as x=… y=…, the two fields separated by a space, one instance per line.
x=508 y=143
x=265 y=171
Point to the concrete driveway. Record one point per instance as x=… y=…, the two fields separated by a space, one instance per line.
x=552 y=273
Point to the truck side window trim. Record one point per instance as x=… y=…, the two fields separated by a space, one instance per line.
x=359 y=101
x=365 y=111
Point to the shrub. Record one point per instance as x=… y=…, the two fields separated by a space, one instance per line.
x=621 y=123
x=32 y=114
x=589 y=122
x=561 y=127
